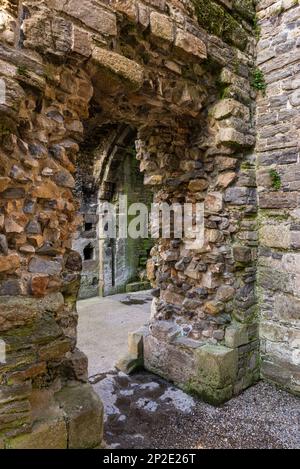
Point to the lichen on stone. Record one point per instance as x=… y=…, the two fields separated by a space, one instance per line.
x=216 y=20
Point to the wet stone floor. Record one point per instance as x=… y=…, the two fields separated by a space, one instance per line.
x=144 y=411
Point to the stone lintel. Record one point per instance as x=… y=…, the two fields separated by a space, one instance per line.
x=124 y=69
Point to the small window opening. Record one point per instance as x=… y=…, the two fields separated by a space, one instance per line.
x=88 y=226
x=88 y=252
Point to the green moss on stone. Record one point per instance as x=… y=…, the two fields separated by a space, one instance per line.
x=258 y=81
x=209 y=394
x=216 y=20
x=4 y=130
x=245 y=8
x=256 y=27
x=276 y=179
x=22 y=70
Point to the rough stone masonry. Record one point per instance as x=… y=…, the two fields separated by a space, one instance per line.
x=185 y=76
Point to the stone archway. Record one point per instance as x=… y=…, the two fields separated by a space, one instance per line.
x=151 y=66
x=114 y=179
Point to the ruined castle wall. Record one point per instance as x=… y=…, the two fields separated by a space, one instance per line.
x=180 y=73
x=278 y=179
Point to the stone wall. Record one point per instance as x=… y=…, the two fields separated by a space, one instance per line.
x=278 y=180
x=180 y=72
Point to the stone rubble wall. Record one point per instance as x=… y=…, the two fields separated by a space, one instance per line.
x=70 y=69
x=278 y=180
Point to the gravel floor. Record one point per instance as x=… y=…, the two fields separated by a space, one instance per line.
x=144 y=411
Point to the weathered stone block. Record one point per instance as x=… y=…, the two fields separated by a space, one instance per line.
x=277 y=200
x=50 y=434
x=9 y=263
x=90 y=13
x=14 y=392
x=55 y=350
x=162 y=27
x=47 y=190
x=214 y=202
x=119 y=66
x=84 y=415
x=129 y=364
x=39 y=284
x=230 y=107
x=143 y=15
x=11 y=287
x=236 y=335
x=48 y=34
x=190 y=44
x=198 y=185
x=276 y=236
x=233 y=138
x=134 y=360
x=213 y=396
x=216 y=365
x=82 y=43
x=167 y=360
x=44 y=266
x=4 y=183
x=242 y=254
x=19 y=311
x=239 y=195
x=135 y=343
x=76 y=365
x=225 y=179
x=127 y=7
x=286 y=307
x=206 y=370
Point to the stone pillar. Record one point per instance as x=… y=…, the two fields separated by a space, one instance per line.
x=204 y=306
x=43 y=373
x=278 y=179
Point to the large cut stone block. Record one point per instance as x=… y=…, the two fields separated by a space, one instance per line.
x=232 y=138
x=208 y=371
x=216 y=365
x=89 y=13
x=127 y=7
x=16 y=311
x=213 y=396
x=84 y=415
x=236 y=335
x=190 y=44
x=50 y=434
x=135 y=343
x=276 y=236
x=175 y=363
x=162 y=27
x=230 y=107
x=121 y=67
x=134 y=360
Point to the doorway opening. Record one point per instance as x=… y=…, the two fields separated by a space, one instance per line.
x=118 y=262
x=114 y=296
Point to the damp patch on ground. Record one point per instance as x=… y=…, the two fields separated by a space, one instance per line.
x=145 y=411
